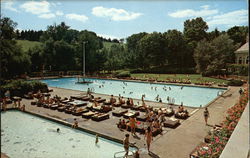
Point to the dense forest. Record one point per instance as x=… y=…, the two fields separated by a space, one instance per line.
x=195 y=50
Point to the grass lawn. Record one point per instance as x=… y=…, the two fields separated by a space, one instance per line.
x=195 y=78
x=26 y=45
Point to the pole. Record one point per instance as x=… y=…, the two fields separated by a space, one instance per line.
x=83 y=60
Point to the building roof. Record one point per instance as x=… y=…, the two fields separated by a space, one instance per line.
x=243 y=48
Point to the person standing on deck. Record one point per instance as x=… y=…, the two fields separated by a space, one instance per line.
x=206 y=115
x=149 y=137
x=126 y=144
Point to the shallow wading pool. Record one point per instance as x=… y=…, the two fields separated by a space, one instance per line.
x=27 y=136
x=188 y=95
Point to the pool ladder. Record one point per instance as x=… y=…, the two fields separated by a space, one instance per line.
x=220 y=93
x=122 y=155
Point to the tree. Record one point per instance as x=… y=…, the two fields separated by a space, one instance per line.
x=56 y=32
x=64 y=55
x=7 y=28
x=238 y=34
x=37 y=58
x=202 y=55
x=13 y=60
x=176 y=46
x=132 y=56
x=212 y=57
x=214 y=34
x=115 y=57
x=195 y=29
x=152 y=50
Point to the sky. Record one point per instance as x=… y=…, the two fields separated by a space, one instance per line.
x=120 y=19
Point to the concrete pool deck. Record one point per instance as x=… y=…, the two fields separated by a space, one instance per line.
x=168 y=145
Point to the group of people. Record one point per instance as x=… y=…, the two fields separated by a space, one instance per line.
x=148 y=136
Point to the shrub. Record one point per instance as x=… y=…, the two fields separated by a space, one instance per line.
x=122 y=74
x=21 y=87
x=238 y=69
x=235 y=83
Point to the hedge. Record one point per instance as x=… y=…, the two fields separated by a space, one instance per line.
x=235 y=83
x=21 y=87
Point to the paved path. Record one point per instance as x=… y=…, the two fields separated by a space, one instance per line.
x=173 y=143
x=180 y=142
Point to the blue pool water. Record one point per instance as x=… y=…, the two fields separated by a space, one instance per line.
x=27 y=136
x=189 y=95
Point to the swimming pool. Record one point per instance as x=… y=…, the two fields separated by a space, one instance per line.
x=188 y=95
x=25 y=135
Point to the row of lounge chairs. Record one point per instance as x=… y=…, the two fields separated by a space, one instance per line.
x=203 y=84
x=78 y=108
x=162 y=81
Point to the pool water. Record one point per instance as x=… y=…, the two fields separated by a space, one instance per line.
x=188 y=95
x=25 y=135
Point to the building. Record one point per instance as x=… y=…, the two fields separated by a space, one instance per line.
x=242 y=54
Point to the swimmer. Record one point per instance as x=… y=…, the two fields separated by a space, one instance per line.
x=58 y=130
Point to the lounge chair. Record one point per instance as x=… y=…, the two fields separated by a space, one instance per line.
x=108 y=102
x=88 y=115
x=171 y=123
x=46 y=94
x=33 y=102
x=105 y=108
x=63 y=107
x=142 y=118
x=80 y=111
x=69 y=110
x=28 y=96
x=119 y=113
x=125 y=106
x=78 y=97
x=131 y=114
x=117 y=104
x=97 y=108
x=85 y=98
x=98 y=100
x=66 y=101
x=156 y=131
x=54 y=106
x=89 y=106
x=39 y=104
x=140 y=128
x=78 y=103
x=142 y=109
x=136 y=107
x=168 y=112
x=100 y=117
x=46 y=105
x=182 y=115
